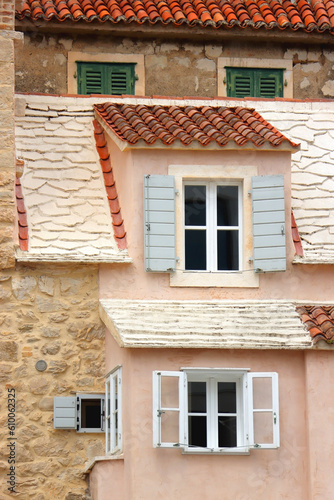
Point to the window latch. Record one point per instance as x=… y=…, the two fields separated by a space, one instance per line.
x=282 y=229
x=160 y=412
x=275 y=418
x=148 y=226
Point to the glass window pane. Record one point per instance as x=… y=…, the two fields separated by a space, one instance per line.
x=197 y=431
x=228 y=250
x=197 y=397
x=227 y=205
x=227 y=431
x=195 y=249
x=195 y=205
x=227 y=397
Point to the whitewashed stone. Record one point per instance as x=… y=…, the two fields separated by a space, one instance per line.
x=328 y=88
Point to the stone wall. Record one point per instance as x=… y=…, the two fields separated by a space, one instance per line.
x=172 y=69
x=7 y=143
x=49 y=313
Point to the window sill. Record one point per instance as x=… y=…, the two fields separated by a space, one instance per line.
x=106 y=458
x=223 y=451
x=234 y=279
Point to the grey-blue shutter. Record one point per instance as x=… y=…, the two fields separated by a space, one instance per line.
x=64 y=412
x=269 y=250
x=159 y=223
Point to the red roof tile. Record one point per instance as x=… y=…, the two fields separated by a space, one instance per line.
x=295 y=236
x=22 y=216
x=303 y=15
x=188 y=124
x=109 y=182
x=319 y=320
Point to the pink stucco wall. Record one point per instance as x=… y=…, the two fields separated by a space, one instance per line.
x=168 y=474
x=130 y=281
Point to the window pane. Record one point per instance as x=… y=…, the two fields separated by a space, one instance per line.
x=227 y=397
x=228 y=250
x=197 y=431
x=90 y=413
x=195 y=205
x=227 y=205
x=227 y=431
x=197 y=397
x=195 y=249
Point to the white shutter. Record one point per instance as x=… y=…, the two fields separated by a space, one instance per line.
x=269 y=249
x=168 y=409
x=263 y=410
x=113 y=412
x=64 y=412
x=159 y=219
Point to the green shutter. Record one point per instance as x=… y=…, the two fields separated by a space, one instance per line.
x=106 y=78
x=254 y=82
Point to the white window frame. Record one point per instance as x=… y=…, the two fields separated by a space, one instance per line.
x=211 y=226
x=221 y=173
x=245 y=409
x=113 y=411
x=79 y=398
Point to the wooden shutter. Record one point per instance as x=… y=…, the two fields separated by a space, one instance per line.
x=240 y=82
x=159 y=220
x=168 y=409
x=90 y=78
x=263 y=408
x=269 y=83
x=64 y=412
x=269 y=249
x=254 y=82
x=122 y=79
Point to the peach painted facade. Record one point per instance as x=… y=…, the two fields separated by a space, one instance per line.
x=299 y=469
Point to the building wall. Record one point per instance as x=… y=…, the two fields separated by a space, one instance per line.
x=178 y=68
x=49 y=313
x=262 y=475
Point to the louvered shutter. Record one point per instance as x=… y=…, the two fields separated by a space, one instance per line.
x=263 y=408
x=269 y=249
x=64 y=413
x=121 y=79
x=159 y=223
x=90 y=78
x=269 y=83
x=240 y=82
x=254 y=82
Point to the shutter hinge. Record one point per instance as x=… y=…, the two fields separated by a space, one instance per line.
x=275 y=418
x=148 y=226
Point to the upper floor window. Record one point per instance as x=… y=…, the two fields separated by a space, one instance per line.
x=254 y=82
x=105 y=78
x=212 y=227
x=113 y=411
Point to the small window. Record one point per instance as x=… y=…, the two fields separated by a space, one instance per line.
x=106 y=78
x=83 y=412
x=212 y=227
x=254 y=82
x=215 y=411
x=113 y=412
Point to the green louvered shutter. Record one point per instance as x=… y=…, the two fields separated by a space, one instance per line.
x=106 y=78
x=269 y=249
x=254 y=82
x=64 y=412
x=159 y=223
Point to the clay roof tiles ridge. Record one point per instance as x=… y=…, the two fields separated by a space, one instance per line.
x=319 y=320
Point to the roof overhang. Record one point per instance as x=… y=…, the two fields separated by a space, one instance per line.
x=213 y=324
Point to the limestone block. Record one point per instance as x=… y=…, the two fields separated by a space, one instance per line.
x=46 y=285
x=51 y=348
x=50 y=332
x=206 y=65
x=46 y=404
x=70 y=286
x=24 y=288
x=4 y=293
x=44 y=468
x=58 y=317
x=156 y=62
x=54 y=447
x=213 y=51
x=23 y=453
x=49 y=305
x=95 y=449
x=328 y=88
x=5 y=371
x=181 y=61
x=6 y=214
x=28 y=432
x=311 y=67
x=39 y=384
x=8 y=350
x=56 y=367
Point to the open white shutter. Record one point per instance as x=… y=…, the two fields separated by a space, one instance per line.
x=263 y=417
x=269 y=250
x=64 y=412
x=168 y=409
x=113 y=411
x=159 y=219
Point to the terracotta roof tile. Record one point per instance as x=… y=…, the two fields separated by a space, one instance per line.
x=302 y=15
x=319 y=320
x=295 y=236
x=203 y=124
x=109 y=181
x=22 y=217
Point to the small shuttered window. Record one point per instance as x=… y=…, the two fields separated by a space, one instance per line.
x=106 y=78
x=254 y=82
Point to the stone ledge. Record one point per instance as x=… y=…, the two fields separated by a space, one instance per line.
x=29 y=257
x=106 y=458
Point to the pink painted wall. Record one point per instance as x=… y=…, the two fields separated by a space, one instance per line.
x=151 y=473
x=132 y=282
